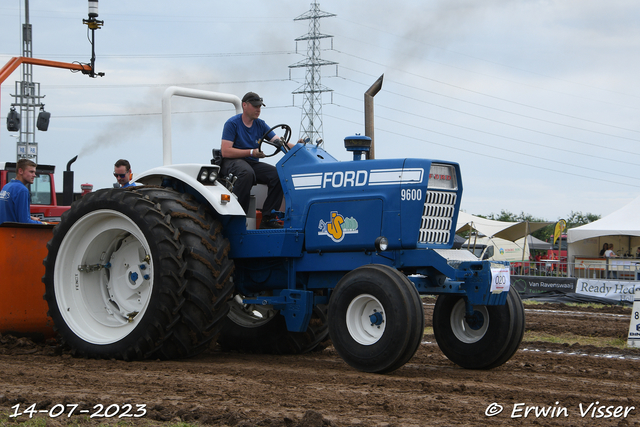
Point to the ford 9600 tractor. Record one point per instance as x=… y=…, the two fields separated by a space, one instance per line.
x=171 y=266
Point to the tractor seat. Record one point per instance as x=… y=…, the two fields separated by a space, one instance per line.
x=258 y=193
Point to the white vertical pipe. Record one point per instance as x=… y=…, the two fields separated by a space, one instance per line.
x=167 y=158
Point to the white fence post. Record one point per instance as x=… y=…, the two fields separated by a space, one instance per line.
x=633 y=339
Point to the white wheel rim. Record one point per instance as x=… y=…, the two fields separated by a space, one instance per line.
x=461 y=328
x=362 y=328
x=249 y=315
x=102 y=306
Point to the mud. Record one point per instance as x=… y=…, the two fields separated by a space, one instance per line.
x=319 y=389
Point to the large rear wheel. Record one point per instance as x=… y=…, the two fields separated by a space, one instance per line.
x=129 y=275
x=376 y=321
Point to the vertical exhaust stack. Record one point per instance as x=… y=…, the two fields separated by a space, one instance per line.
x=67 y=184
x=368 y=114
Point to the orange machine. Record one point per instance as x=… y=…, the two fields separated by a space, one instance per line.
x=22 y=308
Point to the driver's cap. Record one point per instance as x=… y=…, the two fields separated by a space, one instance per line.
x=253 y=99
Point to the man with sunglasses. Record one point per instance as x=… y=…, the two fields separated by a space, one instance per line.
x=240 y=156
x=122 y=172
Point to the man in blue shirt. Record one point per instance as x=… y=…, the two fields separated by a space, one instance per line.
x=240 y=156
x=122 y=172
x=15 y=200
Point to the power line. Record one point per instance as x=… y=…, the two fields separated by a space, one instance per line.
x=396 y=133
x=537 y=145
x=148 y=85
x=179 y=55
x=489 y=62
x=514 y=125
x=500 y=99
x=499 y=148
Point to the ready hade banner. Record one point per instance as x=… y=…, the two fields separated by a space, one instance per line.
x=611 y=289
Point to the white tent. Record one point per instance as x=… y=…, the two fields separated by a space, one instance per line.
x=622 y=228
x=501 y=234
x=625 y=221
x=502 y=229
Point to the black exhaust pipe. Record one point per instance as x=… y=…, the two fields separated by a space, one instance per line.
x=67 y=184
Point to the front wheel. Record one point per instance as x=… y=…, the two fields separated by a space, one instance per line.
x=251 y=328
x=376 y=321
x=486 y=339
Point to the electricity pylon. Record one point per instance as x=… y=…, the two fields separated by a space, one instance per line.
x=311 y=123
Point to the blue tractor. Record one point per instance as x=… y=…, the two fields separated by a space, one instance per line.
x=167 y=268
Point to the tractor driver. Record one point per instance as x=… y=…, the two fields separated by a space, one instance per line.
x=15 y=200
x=240 y=156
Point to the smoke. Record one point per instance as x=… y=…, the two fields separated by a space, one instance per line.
x=420 y=31
x=128 y=122
x=139 y=117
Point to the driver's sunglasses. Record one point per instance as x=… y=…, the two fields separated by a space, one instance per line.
x=120 y=175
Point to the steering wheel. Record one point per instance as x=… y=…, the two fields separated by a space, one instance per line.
x=279 y=144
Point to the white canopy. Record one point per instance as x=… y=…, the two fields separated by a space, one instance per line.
x=502 y=229
x=625 y=222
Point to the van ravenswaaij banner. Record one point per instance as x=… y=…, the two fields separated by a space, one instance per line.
x=571 y=289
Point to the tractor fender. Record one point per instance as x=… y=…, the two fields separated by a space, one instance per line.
x=188 y=174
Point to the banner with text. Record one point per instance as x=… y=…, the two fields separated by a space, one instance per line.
x=529 y=286
x=610 y=289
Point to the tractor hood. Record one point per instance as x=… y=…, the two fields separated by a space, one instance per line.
x=348 y=205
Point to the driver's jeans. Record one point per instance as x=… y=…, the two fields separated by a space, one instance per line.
x=250 y=173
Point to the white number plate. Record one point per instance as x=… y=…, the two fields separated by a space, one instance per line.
x=500 y=280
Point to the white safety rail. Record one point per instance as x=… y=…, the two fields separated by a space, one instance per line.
x=616 y=269
x=171 y=91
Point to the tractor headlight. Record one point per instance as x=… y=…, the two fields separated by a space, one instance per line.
x=442 y=176
x=381 y=244
x=208 y=175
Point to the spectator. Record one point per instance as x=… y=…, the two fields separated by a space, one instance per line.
x=122 y=172
x=604 y=249
x=15 y=200
x=610 y=254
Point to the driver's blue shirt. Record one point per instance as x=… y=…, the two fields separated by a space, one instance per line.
x=243 y=137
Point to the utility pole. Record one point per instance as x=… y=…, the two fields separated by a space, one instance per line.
x=311 y=123
x=27 y=97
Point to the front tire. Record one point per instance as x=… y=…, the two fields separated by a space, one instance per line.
x=258 y=329
x=487 y=340
x=376 y=321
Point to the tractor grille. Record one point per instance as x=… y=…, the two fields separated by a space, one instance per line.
x=437 y=216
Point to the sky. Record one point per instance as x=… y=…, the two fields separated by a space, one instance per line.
x=537 y=100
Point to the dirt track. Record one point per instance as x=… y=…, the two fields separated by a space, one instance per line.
x=320 y=389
